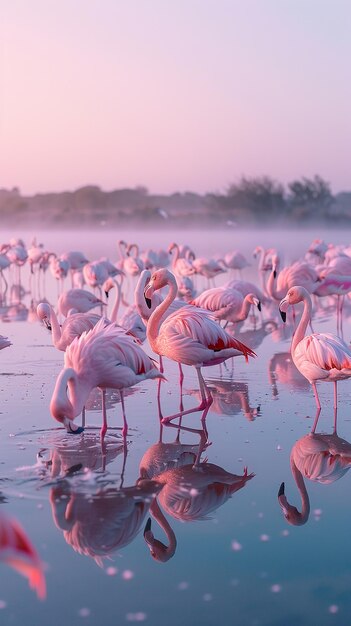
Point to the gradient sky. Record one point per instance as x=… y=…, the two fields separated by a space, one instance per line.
x=173 y=94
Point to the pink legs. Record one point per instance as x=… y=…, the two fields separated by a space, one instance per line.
x=314 y=387
x=206 y=401
x=104 y=415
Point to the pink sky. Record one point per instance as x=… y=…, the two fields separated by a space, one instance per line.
x=173 y=94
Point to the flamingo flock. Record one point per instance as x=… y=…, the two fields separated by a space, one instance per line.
x=178 y=314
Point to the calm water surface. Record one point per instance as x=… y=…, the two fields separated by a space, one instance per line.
x=233 y=559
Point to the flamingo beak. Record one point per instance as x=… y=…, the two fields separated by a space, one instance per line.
x=259 y=306
x=148 y=291
x=148 y=534
x=283 y=307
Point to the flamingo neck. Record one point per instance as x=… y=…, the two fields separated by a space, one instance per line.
x=63 y=406
x=261 y=252
x=175 y=256
x=300 y=483
x=302 y=326
x=271 y=285
x=245 y=308
x=56 y=331
x=117 y=302
x=59 y=511
x=160 y=518
x=154 y=323
x=122 y=248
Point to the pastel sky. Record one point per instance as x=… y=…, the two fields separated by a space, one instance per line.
x=173 y=94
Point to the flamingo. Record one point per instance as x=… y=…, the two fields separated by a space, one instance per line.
x=235 y=260
x=299 y=273
x=17 y=551
x=322 y=458
x=180 y=265
x=190 y=492
x=319 y=356
x=226 y=304
x=100 y=525
x=73 y=326
x=79 y=300
x=103 y=357
x=189 y=336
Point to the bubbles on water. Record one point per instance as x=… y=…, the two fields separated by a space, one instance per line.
x=136 y=617
x=183 y=586
x=127 y=574
x=236 y=546
x=276 y=588
x=84 y=612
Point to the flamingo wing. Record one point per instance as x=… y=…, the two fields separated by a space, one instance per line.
x=325 y=351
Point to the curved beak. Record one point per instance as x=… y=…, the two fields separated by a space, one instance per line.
x=283 y=307
x=148 y=535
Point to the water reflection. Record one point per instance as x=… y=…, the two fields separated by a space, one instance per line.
x=322 y=458
x=190 y=492
x=282 y=369
x=230 y=398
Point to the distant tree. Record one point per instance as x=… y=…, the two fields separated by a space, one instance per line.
x=309 y=196
x=262 y=195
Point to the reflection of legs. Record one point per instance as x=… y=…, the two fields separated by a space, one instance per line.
x=335 y=419
x=83 y=417
x=104 y=416
x=314 y=387
x=315 y=421
x=125 y=424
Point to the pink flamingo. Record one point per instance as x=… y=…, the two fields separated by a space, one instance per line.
x=226 y=304
x=235 y=260
x=189 y=336
x=103 y=357
x=17 y=551
x=322 y=458
x=100 y=525
x=72 y=327
x=180 y=265
x=319 y=356
x=78 y=300
x=299 y=273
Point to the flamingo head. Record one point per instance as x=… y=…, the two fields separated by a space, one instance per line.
x=159 y=279
x=291 y=513
x=252 y=298
x=295 y=295
x=158 y=550
x=44 y=314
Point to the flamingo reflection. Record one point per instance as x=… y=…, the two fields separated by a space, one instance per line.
x=281 y=368
x=230 y=398
x=322 y=458
x=190 y=492
x=96 y=518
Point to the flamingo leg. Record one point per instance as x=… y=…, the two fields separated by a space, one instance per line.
x=335 y=394
x=125 y=423
x=206 y=401
x=314 y=387
x=104 y=417
x=316 y=421
x=83 y=417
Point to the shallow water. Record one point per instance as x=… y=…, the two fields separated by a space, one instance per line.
x=236 y=559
